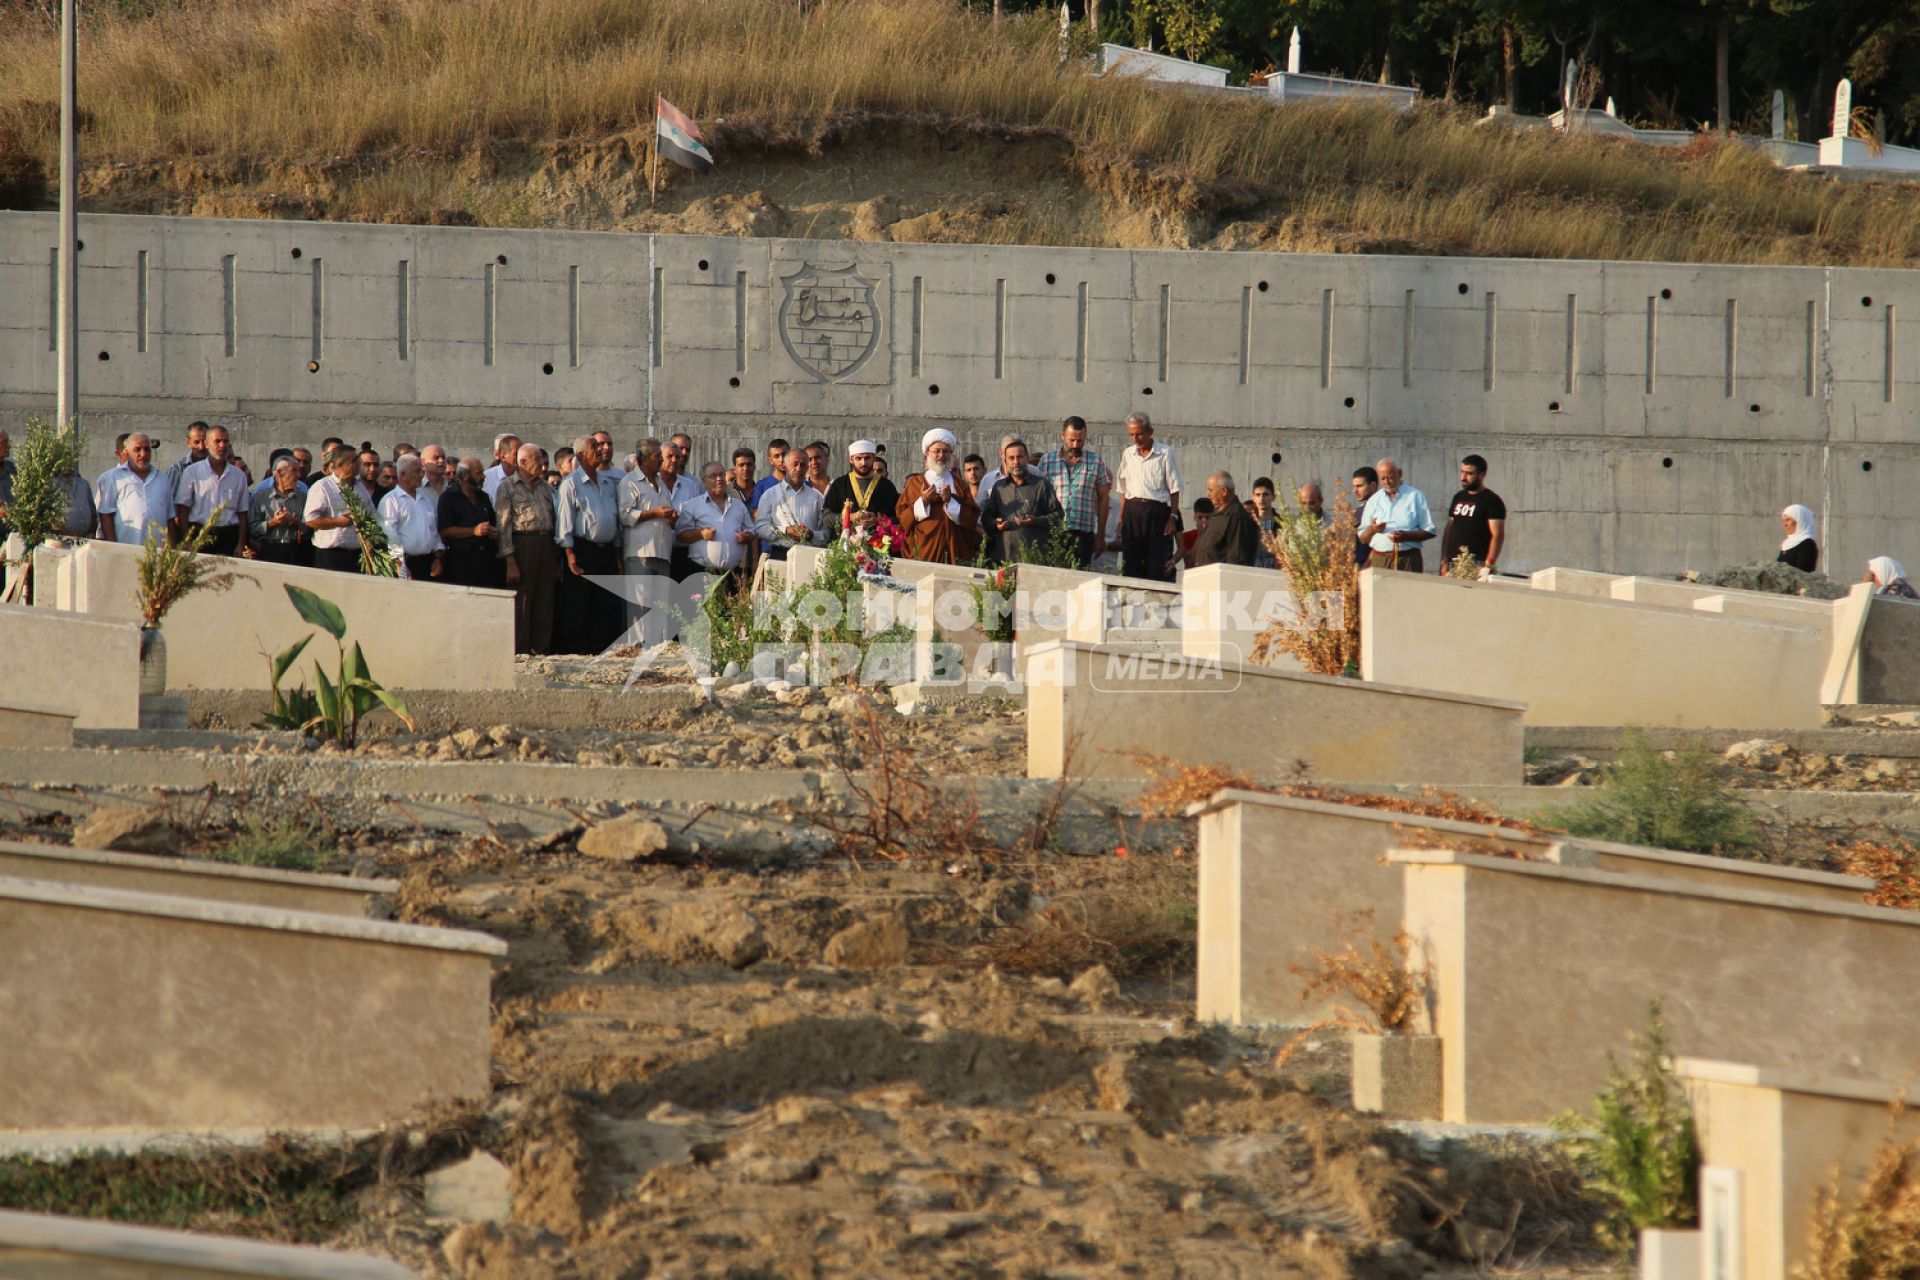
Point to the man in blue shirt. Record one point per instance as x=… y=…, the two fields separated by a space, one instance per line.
x=1395 y=522
x=586 y=525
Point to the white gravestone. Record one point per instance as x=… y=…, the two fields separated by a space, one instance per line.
x=1842 y=109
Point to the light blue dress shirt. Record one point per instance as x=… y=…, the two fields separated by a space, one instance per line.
x=587 y=509
x=1403 y=512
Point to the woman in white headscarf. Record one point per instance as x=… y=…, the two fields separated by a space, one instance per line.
x=1798 y=548
x=1889 y=578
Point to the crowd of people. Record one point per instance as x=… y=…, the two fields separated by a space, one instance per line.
x=547 y=526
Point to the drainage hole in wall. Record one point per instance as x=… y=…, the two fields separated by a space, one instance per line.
x=1753 y=408
x=1276 y=459
x=1666 y=294
x=933 y=389
x=313 y=366
x=1049 y=277
x=500 y=258
x=1866 y=466
x=1348 y=402
x=296 y=251
x=1146 y=391
x=703 y=264
x=1262 y=286
x=733 y=382
x=546 y=368
x=1866 y=302
x=1463 y=286
x=1666 y=462
x=1553 y=406
x=105 y=356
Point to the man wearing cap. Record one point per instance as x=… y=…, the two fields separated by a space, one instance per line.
x=869 y=494
x=937 y=509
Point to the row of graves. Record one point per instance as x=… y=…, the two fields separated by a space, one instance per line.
x=153 y=996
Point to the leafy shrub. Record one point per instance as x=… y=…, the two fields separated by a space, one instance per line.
x=169 y=570
x=39 y=505
x=1638 y=1149
x=1648 y=797
x=335 y=705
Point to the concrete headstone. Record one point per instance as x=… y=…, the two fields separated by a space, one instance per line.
x=1842 y=109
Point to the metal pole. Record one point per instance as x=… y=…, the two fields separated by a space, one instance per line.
x=67 y=287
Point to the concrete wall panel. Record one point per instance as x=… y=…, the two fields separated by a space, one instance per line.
x=102 y=656
x=1741 y=380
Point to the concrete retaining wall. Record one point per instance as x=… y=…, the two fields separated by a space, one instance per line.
x=188 y=878
x=1276 y=870
x=134 y=1011
x=91 y=664
x=1576 y=660
x=1087 y=707
x=1642 y=417
x=1542 y=972
x=416 y=635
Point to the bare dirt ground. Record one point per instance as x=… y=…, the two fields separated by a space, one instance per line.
x=825 y=1070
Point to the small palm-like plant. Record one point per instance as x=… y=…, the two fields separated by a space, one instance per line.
x=169 y=571
x=336 y=704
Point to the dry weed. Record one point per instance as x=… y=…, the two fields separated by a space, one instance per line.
x=1894 y=865
x=899 y=811
x=1324 y=632
x=1140 y=916
x=312 y=88
x=1379 y=976
x=1877 y=1236
x=1178 y=785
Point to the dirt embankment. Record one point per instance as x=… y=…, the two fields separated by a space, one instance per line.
x=873 y=182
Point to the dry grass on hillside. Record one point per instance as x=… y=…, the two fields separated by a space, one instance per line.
x=260 y=83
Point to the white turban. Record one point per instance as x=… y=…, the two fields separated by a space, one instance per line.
x=939 y=435
x=859 y=447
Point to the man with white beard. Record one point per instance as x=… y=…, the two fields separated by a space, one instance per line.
x=937 y=509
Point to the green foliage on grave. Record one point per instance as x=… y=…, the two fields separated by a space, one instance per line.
x=283 y=842
x=1637 y=1149
x=1670 y=800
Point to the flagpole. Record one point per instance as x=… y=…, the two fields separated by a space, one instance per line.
x=653 y=167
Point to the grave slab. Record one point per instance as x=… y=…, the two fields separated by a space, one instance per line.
x=1088 y=706
x=190 y=878
x=1541 y=972
x=1225 y=607
x=25 y=724
x=1574 y=660
x=91 y=665
x=45 y=1247
x=131 y=1011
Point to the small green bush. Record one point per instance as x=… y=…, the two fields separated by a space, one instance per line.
x=1637 y=1149
x=1678 y=801
x=284 y=843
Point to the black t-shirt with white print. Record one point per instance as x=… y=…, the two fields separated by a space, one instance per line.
x=1467 y=524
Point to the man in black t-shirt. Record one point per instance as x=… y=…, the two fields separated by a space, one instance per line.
x=1476 y=518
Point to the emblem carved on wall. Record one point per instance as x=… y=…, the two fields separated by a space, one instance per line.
x=829 y=320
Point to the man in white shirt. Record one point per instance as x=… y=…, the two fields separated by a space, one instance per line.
x=136 y=497
x=647 y=513
x=1148 y=486
x=505 y=447
x=336 y=545
x=1395 y=522
x=196 y=452
x=214 y=485
x=716 y=529
x=789 y=513
x=411 y=517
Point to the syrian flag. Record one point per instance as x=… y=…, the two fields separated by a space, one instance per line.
x=675 y=138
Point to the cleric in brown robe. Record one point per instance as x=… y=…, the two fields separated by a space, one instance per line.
x=937 y=510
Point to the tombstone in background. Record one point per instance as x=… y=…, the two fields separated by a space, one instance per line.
x=1842 y=109
x=1779 y=116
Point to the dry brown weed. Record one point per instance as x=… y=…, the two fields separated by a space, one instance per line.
x=1382 y=977
x=1895 y=865
x=1877 y=1236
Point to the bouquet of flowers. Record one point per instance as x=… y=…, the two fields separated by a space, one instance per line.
x=376 y=557
x=883 y=538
